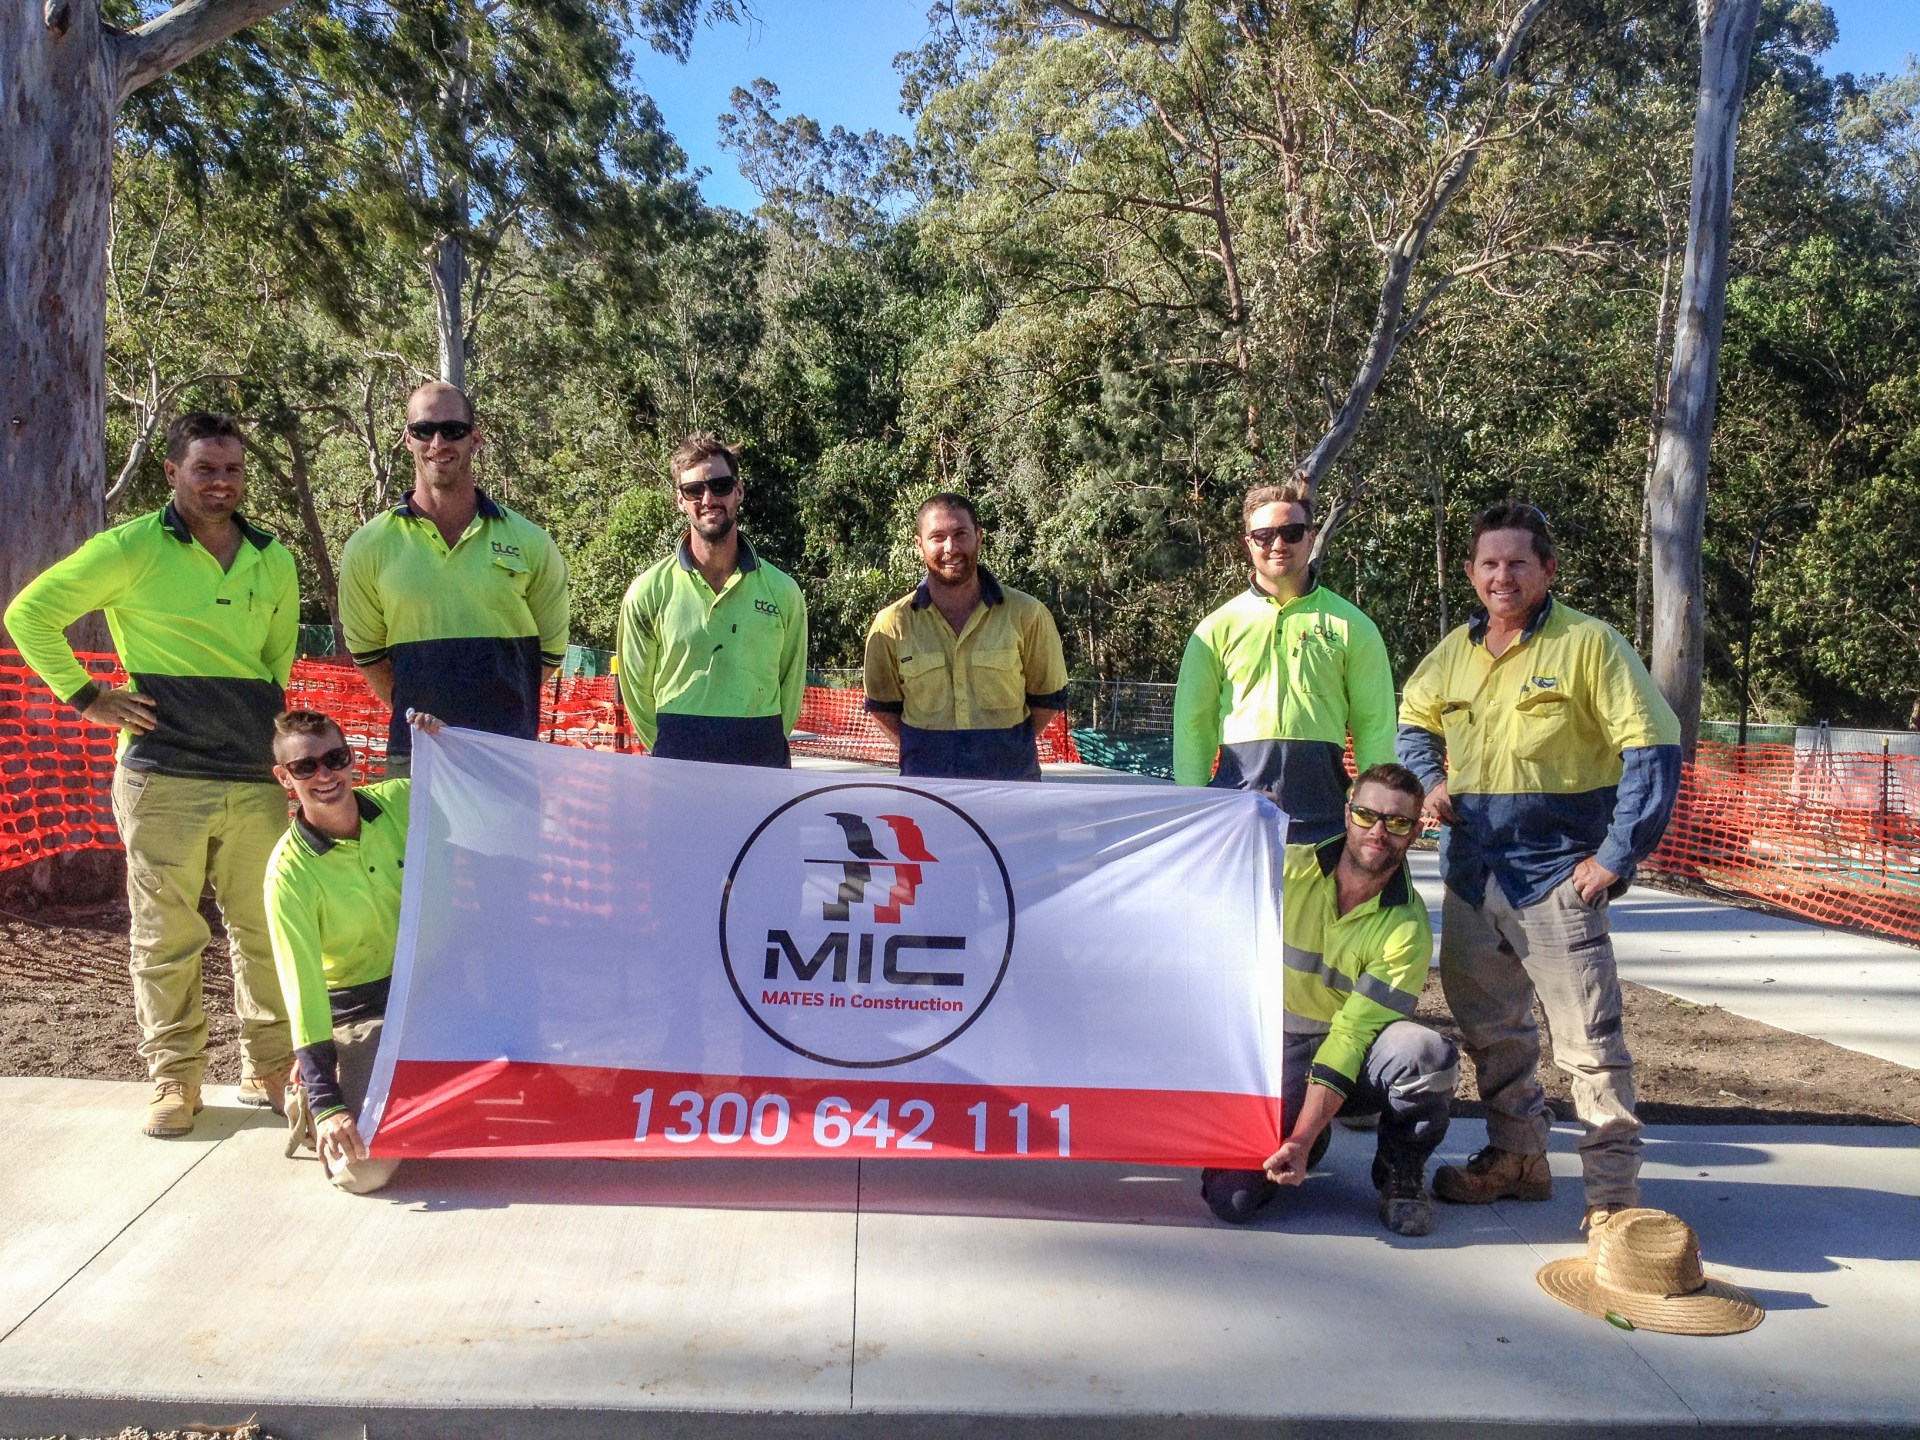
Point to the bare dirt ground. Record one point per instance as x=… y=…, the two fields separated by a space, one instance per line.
x=66 y=1008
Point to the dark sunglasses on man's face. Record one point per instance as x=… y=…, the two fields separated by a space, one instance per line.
x=1293 y=534
x=1396 y=824
x=307 y=766
x=425 y=430
x=721 y=486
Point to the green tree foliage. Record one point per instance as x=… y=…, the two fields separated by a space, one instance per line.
x=1131 y=261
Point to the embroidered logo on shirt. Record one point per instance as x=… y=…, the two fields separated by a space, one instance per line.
x=766 y=607
x=1545 y=682
x=512 y=550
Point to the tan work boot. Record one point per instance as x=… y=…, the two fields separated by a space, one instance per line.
x=1597 y=1218
x=1494 y=1174
x=266 y=1091
x=172 y=1108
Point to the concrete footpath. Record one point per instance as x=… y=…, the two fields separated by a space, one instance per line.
x=210 y=1279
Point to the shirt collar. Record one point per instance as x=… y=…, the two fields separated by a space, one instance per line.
x=1477 y=622
x=990 y=592
x=744 y=558
x=1253 y=589
x=1398 y=890
x=320 y=844
x=489 y=510
x=172 y=522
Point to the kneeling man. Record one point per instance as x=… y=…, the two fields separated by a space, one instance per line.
x=333 y=909
x=1357 y=947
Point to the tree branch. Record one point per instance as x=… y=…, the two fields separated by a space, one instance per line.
x=1094 y=20
x=1403 y=256
x=168 y=41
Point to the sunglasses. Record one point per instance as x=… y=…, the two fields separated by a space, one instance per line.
x=307 y=766
x=719 y=487
x=1293 y=534
x=1396 y=824
x=425 y=430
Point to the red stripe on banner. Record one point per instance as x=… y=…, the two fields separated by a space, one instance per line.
x=505 y=1108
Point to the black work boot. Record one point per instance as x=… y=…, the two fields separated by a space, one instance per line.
x=1236 y=1196
x=1405 y=1206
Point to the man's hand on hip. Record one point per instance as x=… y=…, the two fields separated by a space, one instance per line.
x=122 y=709
x=1440 y=805
x=1591 y=880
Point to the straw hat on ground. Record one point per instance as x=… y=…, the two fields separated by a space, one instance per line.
x=1643 y=1266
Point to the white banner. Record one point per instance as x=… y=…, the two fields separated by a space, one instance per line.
x=608 y=955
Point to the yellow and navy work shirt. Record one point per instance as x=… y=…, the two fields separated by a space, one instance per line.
x=965 y=700
x=333 y=910
x=1274 y=688
x=213 y=648
x=1348 y=976
x=714 y=676
x=1559 y=749
x=467 y=628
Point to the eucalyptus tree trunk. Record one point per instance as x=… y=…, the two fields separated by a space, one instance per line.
x=447 y=267
x=56 y=164
x=63 y=75
x=1678 y=493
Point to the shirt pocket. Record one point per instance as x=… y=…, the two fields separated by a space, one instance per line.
x=999 y=681
x=511 y=570
x=1542 y=723
x=1319 y=668
x=1456 y=728
x=925 y=686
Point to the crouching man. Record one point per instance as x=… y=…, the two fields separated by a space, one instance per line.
x=1357 y=947
x=333 y=910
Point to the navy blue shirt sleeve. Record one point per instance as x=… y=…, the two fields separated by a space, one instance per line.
x=1649 y=786
x=1424 y=753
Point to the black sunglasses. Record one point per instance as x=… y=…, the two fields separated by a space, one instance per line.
x=1293 y=534
x=338 y=758
x=721 y=486
x=1396 y=824
x=425 y=430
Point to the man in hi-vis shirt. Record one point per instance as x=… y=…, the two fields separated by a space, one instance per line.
x=204 y=609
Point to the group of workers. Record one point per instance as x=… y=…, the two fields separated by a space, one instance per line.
x=1532 y=734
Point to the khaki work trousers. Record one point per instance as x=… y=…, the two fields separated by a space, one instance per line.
x=180 y=834
x=357 y=1043
x=1494 y=960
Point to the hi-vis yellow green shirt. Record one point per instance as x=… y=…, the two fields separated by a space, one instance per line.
x=212 y=648
x=468 y=627
x=1348 y=976
x=715 y=677
x=966 y=701
x=1274 y=688
x=1558 y=749
x=333 y=910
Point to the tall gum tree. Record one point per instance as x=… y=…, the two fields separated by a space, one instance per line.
x=64 y=73
x=1677 y=498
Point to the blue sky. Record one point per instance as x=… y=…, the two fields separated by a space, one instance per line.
x=833 y=60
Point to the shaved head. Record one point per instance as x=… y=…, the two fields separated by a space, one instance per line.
x=433 y=396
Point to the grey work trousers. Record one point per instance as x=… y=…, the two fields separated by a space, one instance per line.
x=1494 y=960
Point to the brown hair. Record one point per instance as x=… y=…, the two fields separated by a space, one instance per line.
x=697 y=449
x=946 y=500
x=1393 y=777
x=1516 y=515
x=303 y=722
x=1291 y=493
x=199 y=425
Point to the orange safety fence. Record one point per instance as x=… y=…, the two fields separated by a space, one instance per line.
x=1830 y=835
x=56 y=770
